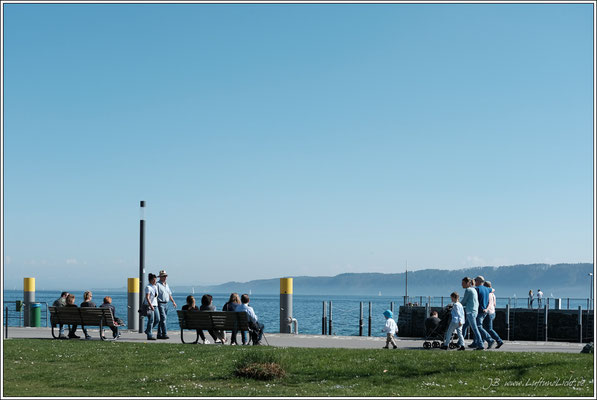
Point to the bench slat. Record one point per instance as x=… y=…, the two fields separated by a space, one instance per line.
x=87 y=316
x=216 y=320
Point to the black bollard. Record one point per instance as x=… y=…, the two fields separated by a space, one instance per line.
x=369 y=318
x=361 y=321
x=330 y=332
x=323 y=320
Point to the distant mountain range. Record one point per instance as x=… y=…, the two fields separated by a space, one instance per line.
x=561 y=280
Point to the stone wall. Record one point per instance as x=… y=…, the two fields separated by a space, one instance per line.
x=525 y=324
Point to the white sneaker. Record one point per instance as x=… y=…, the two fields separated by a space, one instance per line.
x=206 y=341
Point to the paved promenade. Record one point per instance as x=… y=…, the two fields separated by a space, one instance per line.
x=291 y=340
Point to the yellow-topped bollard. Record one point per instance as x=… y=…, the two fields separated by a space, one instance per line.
x=133 y=303
x=28 y=299
x=286 y=286
x=285 y=305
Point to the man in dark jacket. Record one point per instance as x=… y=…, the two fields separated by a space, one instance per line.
x=61 y=302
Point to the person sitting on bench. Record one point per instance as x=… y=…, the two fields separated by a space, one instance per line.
x=117 y=321
x=192 y=306
x=70 y=302
x=255 y=326
x=231 y=305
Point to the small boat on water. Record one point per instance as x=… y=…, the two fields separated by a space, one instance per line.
x=379 y=294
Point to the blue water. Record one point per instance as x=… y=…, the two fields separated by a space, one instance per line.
x=307 y=309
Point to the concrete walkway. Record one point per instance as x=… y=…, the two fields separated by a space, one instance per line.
x=291 y=340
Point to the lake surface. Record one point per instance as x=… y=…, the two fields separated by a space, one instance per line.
x=307 y=309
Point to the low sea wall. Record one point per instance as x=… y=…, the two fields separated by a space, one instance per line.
x=525 y=324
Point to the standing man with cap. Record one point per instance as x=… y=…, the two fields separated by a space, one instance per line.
x=164 y=295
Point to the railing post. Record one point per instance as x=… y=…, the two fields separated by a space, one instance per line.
x=442 y=301
x=361 y=320
x=330 y=332
x=508 y=321
x=369 y=319
x=323 y=320
x=580 y=323
x=6 y=324
x=545 y=319
x=392 y=307
x=568 y=305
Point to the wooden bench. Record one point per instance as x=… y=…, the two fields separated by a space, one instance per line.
x=212 y=320
x=84 y=316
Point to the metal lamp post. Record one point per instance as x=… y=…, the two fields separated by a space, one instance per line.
x=141 y=260
x=591 y=294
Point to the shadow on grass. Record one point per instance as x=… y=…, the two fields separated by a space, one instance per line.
x=522 y=370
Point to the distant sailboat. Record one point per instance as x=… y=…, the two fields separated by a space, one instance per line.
x=249 y=292
x=379 y=294
x=193 y=290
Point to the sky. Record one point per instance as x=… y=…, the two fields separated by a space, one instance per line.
x=293 y=139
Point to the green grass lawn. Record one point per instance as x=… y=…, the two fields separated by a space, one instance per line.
x=35 y=367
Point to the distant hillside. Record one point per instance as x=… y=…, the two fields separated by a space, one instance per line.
x=563 y=280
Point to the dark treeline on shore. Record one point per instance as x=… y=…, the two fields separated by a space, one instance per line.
x=561 y=280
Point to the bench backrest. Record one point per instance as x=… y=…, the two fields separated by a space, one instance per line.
x=218 y=320
x=86 y=316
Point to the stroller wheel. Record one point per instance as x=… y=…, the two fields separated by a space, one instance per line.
x=452 y=345
x=426 y=345
x=435 y=345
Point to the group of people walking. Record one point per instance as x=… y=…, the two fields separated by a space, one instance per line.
x=158 y=295
x=476 y=312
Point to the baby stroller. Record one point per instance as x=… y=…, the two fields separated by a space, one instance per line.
x=435 y=338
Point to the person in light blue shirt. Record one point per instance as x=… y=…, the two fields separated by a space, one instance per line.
x=254 y=324
x=483 y=297
x=455 y=324
x=470 y=302
x=164 y=295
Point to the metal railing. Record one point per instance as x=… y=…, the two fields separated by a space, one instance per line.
x=18 y=313
x=566 y=303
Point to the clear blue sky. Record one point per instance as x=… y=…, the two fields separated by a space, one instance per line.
x=288 y=140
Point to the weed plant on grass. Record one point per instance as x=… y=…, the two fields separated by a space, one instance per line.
x=34 y=367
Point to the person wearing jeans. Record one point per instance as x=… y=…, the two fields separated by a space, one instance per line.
x=483 y=297
x=153 y=316
x=231 y=305
x=254 y=324
x=470 y=302
x=455 y=324
x=164 y=294
x=491 y=317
